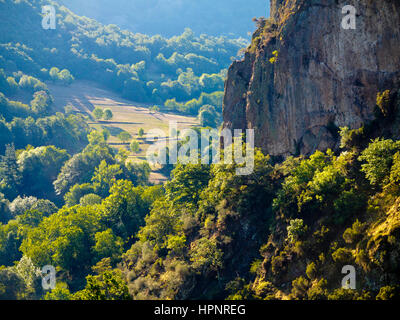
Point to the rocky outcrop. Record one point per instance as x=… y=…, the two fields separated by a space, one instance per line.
x=324 y=76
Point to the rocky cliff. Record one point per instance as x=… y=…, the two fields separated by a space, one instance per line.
x=304 y=75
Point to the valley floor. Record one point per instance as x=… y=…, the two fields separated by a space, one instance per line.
x=128 y=116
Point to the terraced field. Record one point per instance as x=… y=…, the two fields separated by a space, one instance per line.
x=129 y=116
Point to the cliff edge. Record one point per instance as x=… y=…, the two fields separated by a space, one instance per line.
x=304 y=75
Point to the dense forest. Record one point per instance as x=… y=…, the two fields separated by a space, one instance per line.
x=142 y=68
x=68 y=199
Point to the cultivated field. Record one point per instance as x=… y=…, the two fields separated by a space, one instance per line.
x=129 y=116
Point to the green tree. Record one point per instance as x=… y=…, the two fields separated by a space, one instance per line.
x=296 y=229
x=141 y=132
x=377 y=160
x=12 y=285
x=65 y=239
x=107 y=285
x=54 y=73
x=205 y=255
x=124 y=136
x=135 y=146
x=76 y=192
x=124 y=209
x=105 y=176
x=10 y=176
x=60 y=292
x=90 y=200
x=66 y=77
x=108 y=245
x=108 y=115
x=40 y=167
x=98 y=113
x=41 y=102
x=209 y=117
x=155 y=109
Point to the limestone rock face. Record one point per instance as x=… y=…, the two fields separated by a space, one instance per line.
x=324 y=76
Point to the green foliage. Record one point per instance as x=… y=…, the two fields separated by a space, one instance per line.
x=239 y=289
x=124 y=209
x=378 y=159
x=105 y=176
x=351 y=138
x=40 y=167
x=209 y=117
x=388 y=293
x=163 y=221
x=141 y=132
x=60 y=292
x=318 y=291
x=135 y=146
x=107 y=285
x=10 y=241
x=140 y=67
x=383 y=102
x=12 y=286
x=197 y=235
x=299 y=288
x=255 y=266
x=74 y=195
x=63 y=239
x=107 y=114
x=81 y=167
x=355 y=233
x=98 y=113
x=176 y=243
x=274 y=57
x=343 y=256
x=108 y=245
x=41 y=102
x=64 y=76
x=90 y=199
x=124 y=136
x=31 y=84
x=205 y=255
x=187 y=182
x=295 y=229
x=193 y=106
x=139 y=172
x=10 y=176
x=311 y=271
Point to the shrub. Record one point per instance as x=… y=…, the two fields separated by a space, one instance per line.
x=383 y=102
x=311 y=271
x=354 y=234
x=295 y=230
x=351 y=138
x=342 y=255
x=255 y=266
x=299 y=288
x=318 y=291
x=388 y=293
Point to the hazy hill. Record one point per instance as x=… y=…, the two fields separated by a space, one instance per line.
x=170 y=17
